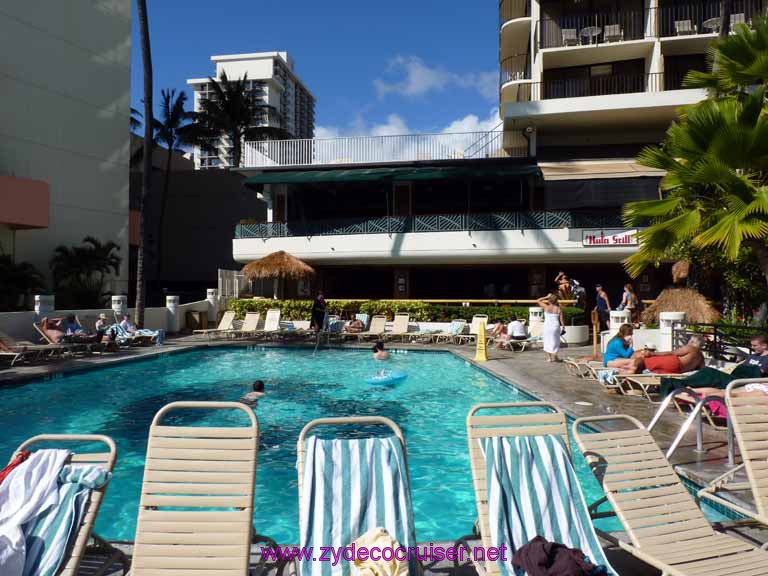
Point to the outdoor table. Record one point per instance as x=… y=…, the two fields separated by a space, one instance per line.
x=712 y=24
x=591 y=32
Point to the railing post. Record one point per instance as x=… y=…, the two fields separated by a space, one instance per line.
x=729 y=435
x=699 y=433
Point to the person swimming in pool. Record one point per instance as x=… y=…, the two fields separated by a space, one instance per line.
x=378 y=352
x=252 y=398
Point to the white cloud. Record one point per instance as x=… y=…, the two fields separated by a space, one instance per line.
x=419 y=78
x=396 y=126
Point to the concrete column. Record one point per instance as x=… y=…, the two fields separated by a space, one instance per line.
x=667 y=323
x=44 y=304
x=120 y=304
x=212 y=296
x=172 y=305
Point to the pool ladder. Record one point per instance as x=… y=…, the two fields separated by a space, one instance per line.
x=695 y=417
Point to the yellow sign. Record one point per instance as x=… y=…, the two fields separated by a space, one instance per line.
x=481 y=354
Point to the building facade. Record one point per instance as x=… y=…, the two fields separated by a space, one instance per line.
x=272 y=83
x=64 y=140
x=584 y=86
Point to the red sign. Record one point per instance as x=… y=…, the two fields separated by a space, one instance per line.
x=609 y=238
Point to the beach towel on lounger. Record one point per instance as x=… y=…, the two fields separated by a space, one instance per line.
x=51 y=533
x=533 y=491
x=349 y=487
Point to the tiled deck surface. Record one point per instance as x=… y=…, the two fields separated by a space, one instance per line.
x=529 y=372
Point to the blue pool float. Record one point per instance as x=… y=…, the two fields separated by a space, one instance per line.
x=387 y=377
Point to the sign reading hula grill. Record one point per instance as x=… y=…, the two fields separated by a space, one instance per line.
x=609 y=238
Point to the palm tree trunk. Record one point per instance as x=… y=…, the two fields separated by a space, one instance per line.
x=161 y=218
x=146 y=180
x=726 y=8
x=236 y=149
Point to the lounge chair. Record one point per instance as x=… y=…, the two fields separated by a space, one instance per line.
x=271 y=324
x=250 y=325
x=364 y=318
x=504 y=450
x=749 y=418
x=399 y=327
x=24 y=351
x=479 y=322
x=570 y=37
x=377 y=328
x=196 y=508
x=456 y=327
x=225 y=327
x=106 y=459
x=685 y=28
x=665 y=526
x=613 y=33
x=68 y=348
x=372 y=474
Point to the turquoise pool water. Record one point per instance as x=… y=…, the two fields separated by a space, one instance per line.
x=430 y=406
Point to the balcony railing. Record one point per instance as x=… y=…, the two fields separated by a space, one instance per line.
x=431 y=223
x=596 y=86
x=381 y=149
x=517 y=67
x=704 y=17
x=594 y=28
x=511 y=9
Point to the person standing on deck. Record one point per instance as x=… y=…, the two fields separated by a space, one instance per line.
x=603 y=307
x=319 y=307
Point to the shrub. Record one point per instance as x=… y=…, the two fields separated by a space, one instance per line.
x=418 y=311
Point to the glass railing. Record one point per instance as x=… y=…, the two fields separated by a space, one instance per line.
x=535 y=220
x=517 y=67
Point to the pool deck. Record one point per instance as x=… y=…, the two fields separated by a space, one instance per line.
x=527 y=371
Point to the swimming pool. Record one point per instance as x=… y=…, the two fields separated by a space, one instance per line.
x=430 y=406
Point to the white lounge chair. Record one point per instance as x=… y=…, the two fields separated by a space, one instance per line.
x=225 y=328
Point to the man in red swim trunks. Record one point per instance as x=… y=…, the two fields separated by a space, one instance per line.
x=683 y=359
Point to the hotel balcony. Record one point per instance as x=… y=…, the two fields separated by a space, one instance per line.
x=686 y=27
x=435 y=238
x=515 y=27
x=592 y=29
x=603 y=96
x=383 y=149
x=514 y=72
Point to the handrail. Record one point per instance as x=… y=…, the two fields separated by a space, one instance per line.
x=578 y=29
x=694 y=417
x=532 y=220
x=515 y=67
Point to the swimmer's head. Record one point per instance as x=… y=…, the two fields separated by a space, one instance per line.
x=378 y=347
x=258 y=386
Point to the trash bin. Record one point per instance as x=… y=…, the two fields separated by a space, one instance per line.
x=196 y=320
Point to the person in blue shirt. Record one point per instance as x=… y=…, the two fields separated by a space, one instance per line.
x=619 y=352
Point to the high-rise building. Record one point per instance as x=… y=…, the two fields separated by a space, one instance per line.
x=602 y=78
x=273 y=84
x=64 y=140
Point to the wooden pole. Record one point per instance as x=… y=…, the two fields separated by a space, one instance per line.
x=595 y=332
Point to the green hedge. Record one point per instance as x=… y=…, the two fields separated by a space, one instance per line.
x=419 y=311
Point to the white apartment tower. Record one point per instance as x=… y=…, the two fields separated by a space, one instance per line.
x=272 y=81
x=597 y=78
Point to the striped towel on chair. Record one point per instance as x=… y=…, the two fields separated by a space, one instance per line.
x=533 y=491
x=51 y=533
x=349 y=487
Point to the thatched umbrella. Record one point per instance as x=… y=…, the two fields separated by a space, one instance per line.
x=278 y=265
x=697 y=309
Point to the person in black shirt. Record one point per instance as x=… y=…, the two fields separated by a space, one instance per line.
x=759 y=356
x=318 y=312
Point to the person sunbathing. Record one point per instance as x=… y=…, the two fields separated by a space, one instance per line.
x=619 y=353
x=683 y=359
x=355 y=325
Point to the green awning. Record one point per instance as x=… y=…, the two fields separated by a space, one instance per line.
x=372 y=174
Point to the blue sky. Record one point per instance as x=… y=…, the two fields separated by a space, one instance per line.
x=381 y=67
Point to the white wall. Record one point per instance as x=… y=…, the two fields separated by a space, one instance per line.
x=65 y=117
x=257 y=69
x=553 y=245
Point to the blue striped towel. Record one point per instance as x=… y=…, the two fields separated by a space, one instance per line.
x=364 y=319
x=50 y=535
x=456 y=328
x=533 y=491
x=349 y=487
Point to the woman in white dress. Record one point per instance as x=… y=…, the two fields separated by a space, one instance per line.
x=553 y=323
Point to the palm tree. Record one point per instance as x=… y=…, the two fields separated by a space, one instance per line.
x=736 y=64
x=135 y=120
x=172 y=130
x=716 y=159
x=19 y=279
x=146 y=54
x=79 y=272
x=235 y=111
